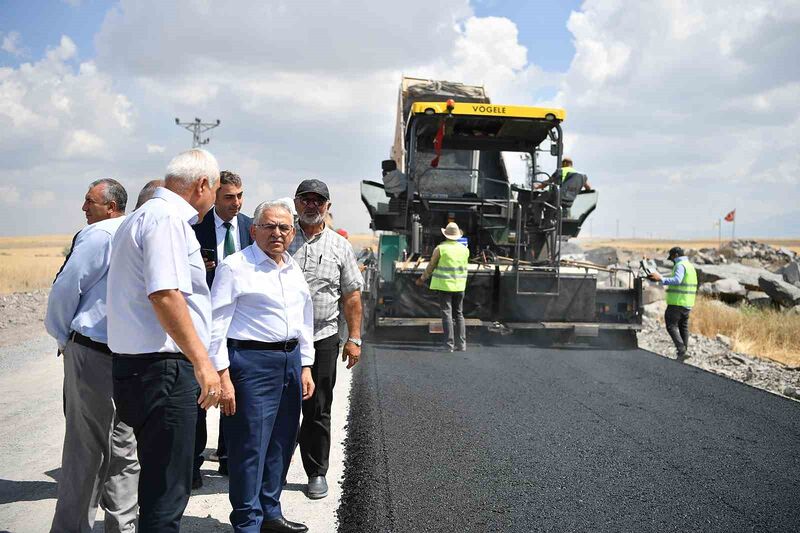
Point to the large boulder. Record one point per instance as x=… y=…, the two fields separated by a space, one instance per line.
x=759 y=299
x=746 y=276
x=604 y=256
x=791 y=273
x=728 y=290
x=784 y=293
x=653 y=293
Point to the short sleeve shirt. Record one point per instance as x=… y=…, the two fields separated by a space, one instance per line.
x=331 y=270
x=155 y=249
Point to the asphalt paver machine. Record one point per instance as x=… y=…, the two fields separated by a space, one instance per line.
x=448 y=164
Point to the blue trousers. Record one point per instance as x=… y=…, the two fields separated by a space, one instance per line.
x=261 y=435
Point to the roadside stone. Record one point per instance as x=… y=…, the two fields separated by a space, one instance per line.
x=724 y=339
x=728 y=290
x=653 y=293
x=758 y=299
x=791 y=392
x=791 y=273
x=746 y=276
x=784 y=293
x=655 y=310
x=604 y=256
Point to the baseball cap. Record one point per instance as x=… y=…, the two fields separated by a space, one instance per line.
x=675 y=251
x=315 y=186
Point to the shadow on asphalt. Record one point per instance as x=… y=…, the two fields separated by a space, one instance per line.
x=28 y=491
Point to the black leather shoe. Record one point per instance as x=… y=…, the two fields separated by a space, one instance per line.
x=281 y=525
x=197 y=481
x=223 y=467
x=317 y=487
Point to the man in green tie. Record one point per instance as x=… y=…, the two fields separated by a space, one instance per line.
x=223 y=231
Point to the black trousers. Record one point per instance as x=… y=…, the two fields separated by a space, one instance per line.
x=158 y=399
x=200 y=440
x=315 y=432
x=677 y=321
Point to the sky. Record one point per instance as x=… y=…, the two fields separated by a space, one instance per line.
x=678 y=111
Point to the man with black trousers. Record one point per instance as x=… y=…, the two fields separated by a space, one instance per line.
x=330 y=268
x=159 y=329
x=681 y=294
x=223 y=231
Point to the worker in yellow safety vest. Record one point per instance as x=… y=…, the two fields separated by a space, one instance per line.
x=681 y=293
x=447 y=271
x=571 y=182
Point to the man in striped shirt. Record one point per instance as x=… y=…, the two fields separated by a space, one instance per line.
x=332 y=273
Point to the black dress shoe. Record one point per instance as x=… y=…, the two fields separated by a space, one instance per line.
x=281 y=525
x=197 y=481
x=223 y=467
x=317 y=487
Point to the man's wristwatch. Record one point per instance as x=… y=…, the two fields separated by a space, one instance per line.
x=355 y=341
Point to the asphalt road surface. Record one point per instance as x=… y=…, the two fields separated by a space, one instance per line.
x=516 y=438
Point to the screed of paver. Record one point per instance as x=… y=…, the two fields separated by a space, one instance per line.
x=32 y=434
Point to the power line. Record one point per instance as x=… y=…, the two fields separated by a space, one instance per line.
x=197 y=128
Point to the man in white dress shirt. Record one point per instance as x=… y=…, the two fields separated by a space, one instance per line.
x=159 y=328
x=263 y=345
x=98 y=464
x=223 y=231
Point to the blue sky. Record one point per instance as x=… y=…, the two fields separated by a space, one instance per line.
x=678 y=112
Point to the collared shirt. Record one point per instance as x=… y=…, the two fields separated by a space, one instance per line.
x=256 y=299
x=221 y=231
x=155 y=249
x=680 y=271
x=77 y=301
x=331 y=270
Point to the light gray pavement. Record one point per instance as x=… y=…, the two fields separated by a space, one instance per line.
x=32 y=432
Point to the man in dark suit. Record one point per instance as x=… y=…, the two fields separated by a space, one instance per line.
x=222 y=232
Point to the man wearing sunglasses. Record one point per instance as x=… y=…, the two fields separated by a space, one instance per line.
x=332 y=273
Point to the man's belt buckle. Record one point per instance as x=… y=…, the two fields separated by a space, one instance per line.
x=287 y=345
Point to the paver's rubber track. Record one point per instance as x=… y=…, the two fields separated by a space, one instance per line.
x=516 y=438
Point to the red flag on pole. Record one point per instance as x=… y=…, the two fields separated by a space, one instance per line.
x=730 y=217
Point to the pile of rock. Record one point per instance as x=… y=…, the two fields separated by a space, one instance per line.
x=735 y=283
x=748 y=253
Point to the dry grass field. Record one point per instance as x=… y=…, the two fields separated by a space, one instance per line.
x=766 y=333
x=29 y=263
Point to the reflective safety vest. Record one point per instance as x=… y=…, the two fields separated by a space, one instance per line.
x=450 y=274
x=566 y=171
x=683 y=294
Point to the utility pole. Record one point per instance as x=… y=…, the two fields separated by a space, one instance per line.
x=197 y=128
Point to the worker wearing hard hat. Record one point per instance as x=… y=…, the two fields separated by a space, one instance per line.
x=681 y=293
x=448 y=273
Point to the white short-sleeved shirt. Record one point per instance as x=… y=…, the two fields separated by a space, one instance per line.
x=256 y=299
x=155 y=249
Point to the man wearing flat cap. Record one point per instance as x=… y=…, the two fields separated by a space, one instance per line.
x=332 y=273
x=681 y=293
x=447 y=270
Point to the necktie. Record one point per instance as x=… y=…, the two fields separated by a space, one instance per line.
x=66 y=257
x=229 y=247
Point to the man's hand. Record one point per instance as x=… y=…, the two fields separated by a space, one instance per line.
x=210 y=265
x=308 y=383
x=208 y=379
x=655 y=276
x=351 y=353
x=227 y=401
x=420 y=282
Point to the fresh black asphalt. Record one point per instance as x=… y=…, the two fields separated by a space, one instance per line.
x=518 y=438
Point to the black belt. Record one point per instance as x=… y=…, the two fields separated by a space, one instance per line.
x=83 y=340
x=284 y=346
x=152 y=356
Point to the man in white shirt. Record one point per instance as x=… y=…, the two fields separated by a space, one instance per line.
x=263 y=345
x=223 y=231
x=159 y=328
x=99 y=462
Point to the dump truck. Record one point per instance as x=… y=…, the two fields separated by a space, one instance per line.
x=448 y=164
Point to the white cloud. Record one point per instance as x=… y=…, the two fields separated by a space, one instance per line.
x=42 y=198
x=9 y=194
x=11 y=44
x=155 y=149
x=84 y=143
